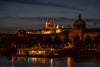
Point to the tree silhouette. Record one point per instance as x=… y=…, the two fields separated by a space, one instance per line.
x=40 y=40
x=57 y=41
x=48 y=40
x=79 y=44
x=3 y=42
x=30 y=42
x=66 y=40
x=88 y=40
x=24 y=42
x=76 y=38
x=97 y=40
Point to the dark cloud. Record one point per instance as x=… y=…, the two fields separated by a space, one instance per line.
x=44 y=4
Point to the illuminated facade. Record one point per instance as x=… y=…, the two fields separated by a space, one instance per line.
x=78 y=29
x=49 y=29
x=53 y=36
x=50 y=26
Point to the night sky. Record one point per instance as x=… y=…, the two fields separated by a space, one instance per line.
x=31 y=14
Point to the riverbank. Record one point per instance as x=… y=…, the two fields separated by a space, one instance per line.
x=63 y=53
x=78 y=53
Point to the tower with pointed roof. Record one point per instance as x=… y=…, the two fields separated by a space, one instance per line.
x=50 y=26
x=53 y=21
x=47 y=23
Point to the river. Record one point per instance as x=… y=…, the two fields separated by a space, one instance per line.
x=14 y=61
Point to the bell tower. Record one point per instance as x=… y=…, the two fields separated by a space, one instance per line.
x=47 y=23
x=53 y=22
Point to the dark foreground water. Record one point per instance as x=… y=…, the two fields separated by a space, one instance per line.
x=49 y=62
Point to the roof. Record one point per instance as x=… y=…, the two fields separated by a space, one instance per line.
x=93 y=30
x=79 y=21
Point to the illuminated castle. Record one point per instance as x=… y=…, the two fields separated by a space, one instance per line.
x=50 y=26
x=78 y=30
x=54 y=36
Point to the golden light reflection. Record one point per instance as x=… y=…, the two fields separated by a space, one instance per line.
x=34 y=59
x=43 y=61
x=21 y=58
x=51 y=62
x=12 y=65
x=68 y=62
x=38 y=59
x=12 y=61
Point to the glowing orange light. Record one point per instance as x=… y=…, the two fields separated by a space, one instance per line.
x=68 y=62
x=12 y=59
x=12 y=65
x=40 y=52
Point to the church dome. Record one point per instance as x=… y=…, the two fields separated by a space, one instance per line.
x=79 y=23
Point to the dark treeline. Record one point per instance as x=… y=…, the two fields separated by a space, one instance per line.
x=46 y=41
x=28 y=42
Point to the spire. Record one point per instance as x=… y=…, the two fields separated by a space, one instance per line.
x=79 y=15
x=57 y=26
x=47 y=19
x=53 y=21
x=62 y=26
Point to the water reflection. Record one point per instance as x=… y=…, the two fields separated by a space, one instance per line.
x=28 y=60
x=21 y=58
x=51 y=62
x=39 y=60
x=12 y=61
x=12 y=65
x=69 y=62
x=48 y=62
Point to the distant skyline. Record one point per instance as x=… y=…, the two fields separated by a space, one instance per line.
x=12 y=12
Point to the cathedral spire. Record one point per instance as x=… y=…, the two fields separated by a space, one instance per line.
x=57 y=26
x=79 y=15
x=53 y=21
x=47 y=19
x=62 y=26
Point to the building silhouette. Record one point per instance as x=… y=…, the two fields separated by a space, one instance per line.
x=50 y=26
x=90 y=36
x=52 y=36
x=79 y=28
